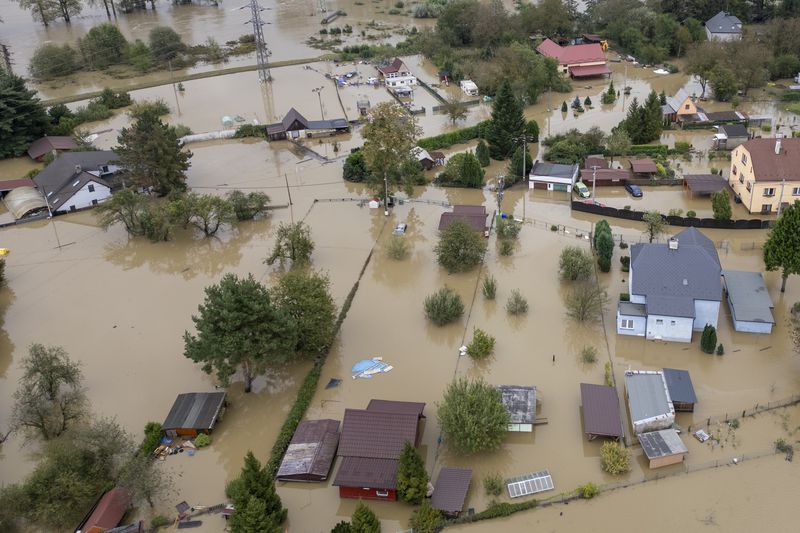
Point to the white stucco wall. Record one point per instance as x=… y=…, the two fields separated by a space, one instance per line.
x=752 y=327
x=654 y=423
x=670 y=328
x=639 y=325
x=83 y=197
x=705 y=312
x=722 y=36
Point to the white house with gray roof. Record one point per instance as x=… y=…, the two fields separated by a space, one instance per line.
x=674 y=288
x=724 y=27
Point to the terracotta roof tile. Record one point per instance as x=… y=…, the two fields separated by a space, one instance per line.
x=767 y=166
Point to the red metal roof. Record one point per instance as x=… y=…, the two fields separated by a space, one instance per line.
x=376 y=434
x=10 y=185
x=109 y=510
x=601 y=410
x=570 y=55
x=605 y=174
x=590 y=70
x=394 y=66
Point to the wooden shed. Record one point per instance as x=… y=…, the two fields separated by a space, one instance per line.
x=311 y=452
x=193 y=413
x=451 y=490
x=663 y=448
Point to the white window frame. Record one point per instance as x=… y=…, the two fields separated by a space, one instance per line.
x=768 y=192
x=382 y=493
x=626 y=323
x=796 y=191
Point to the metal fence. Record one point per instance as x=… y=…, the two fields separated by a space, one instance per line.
x=629 y=214
x=756 y=409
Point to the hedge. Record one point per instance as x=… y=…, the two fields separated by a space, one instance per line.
x=649 y=149
x=446 y=140
x=496 y=510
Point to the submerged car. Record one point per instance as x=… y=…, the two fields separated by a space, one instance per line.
x=581 y=190
x=400 y=229
x=635 y=191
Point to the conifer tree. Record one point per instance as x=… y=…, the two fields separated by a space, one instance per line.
x=412 y=479
x=22 y=117
x=508 y=123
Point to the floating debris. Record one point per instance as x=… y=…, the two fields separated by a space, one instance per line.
x=334 y=382
x=366 y=368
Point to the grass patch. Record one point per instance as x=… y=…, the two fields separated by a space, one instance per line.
x=493 y=484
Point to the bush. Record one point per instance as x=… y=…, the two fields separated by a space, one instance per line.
x=623 y=245
x=588 y=491
x=157 y=107
x=691 y=214
x=493 y=484
x=505 y=247
x=604 y=264
x=160 y=521
x=575 y=264
x=624 y=297
x=553 y=227
x=152 y=438
x=426 y=519
x=412 y=479
x=103 y=46
x=720 y=349
x=250 y=130
x=517 y=304
x=490 y=287
x=364 y=520
x=342 y=527
x=734 y=424
x=708 y=340
x=615 y=458
x=482 y=153
x=202 y=440
x=585 y=303
x=781 y=446
x=482 y=344
x=165 y=43
x=93 y=112
x=589 y=355
x=675 y=212
x=139 y=56
x=397 y=248
x=720 y=203
x=472 y=416
x=51 y=61
x=608 y=374
x=113 y=100
x=460 y=247
x=508 y=229
x=444 y=306
x=446 y=140
x=625 y=260
x=355 y=168
x=248 y=206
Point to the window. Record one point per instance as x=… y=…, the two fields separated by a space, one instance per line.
x=685 y=107
x=626 y=323
x=741 y=178
x=659 y=322
x=766 y=208
x=749 y=186
x=91 y=186
x=672 y=322
x=383 y=493
x=796 y=191
x=734 y=169
x=769 y=191
x=94 y=202
x=744 y=159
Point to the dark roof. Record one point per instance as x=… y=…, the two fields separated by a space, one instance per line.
x=476 y=222
x=304 y=124
x=705 y=183
x=376 y=434
x=392 y=406
x=311 y=452
x=332 y=124
x=292 y=116
x=692 y=272
x=662 y=443
x=680 y=306
x=643 y=166
x=679 y=384
x=748 y=296
x=595 y=160
x=604 y=174
x=46 y=144
x=589 y=70
x=194 y=410
x=451 y=489
x=556 y=170
x=520 y=402
x=462 y=209
x=394 y=66
x=109 y=510
x=719 y=116
x=601 y=410
x=724 y=22
x=734 y=130
x=9 y=185
x=631 y=309
x=767 y=166
x=367 y=472
x=57 y=180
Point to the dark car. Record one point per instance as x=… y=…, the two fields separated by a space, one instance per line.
x=635 y=191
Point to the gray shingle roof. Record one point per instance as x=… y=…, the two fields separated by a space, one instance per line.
x=680 y=306
x=194 y=410
x=451 y=489
x=367 y=472
x=600 y=410
x=57 y=178
x=676 y=101
x=556 y=170
x=748 y=295
x=647 y=395
x=679 y=384
x=376 y=434
x=724 y=23
x=692 y=271
x=662 y=443
x=520 y=402
x=311 y=452
x=734 y=130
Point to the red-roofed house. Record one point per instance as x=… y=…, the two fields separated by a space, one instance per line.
x=396 y=74
x=579 y=61
x=108 y=512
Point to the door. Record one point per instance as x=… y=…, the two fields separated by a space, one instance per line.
x=549 y=186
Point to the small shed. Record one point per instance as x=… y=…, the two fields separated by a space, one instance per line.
x=605 y=177
x=595 y=161
x=520 y=402
x=450 y=490
x=643 y=168
x=749 y=301
x=730 y=136
x=311 y=451
x=648 y=401
x=193 y=413
x=601 y=411
x=363 y=106
x=473 y=215
x=663 y=448
x=47 y=144
x=681 y=390
x=107 y=512
x=24 y=201
x=703 y=184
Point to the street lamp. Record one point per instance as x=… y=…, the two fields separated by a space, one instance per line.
x=318 y=90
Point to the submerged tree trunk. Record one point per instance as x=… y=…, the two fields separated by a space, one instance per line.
x=248 y=377
x=108 y=11
x=784 y=277
x=113 y=8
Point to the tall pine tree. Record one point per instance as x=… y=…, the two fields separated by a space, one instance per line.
x=22 y=117
x=252 y=517
x=412 y=479
x=508 y=123
x=782 y=249
x=653 y=119
x=255 y=483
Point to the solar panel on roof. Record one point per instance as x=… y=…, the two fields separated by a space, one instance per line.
x=530 y=484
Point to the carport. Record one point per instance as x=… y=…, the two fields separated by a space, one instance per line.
x=703 y=184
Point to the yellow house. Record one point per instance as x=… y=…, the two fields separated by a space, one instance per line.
x=679 y=106
x=765 y=173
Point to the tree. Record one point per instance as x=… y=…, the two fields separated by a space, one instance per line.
x=610 y=95
x=355 y=167
x=782 y=249
x=619 y=143
x=472 y=416
x=655 y=225
x=165 y=44
x=44 y=11
x=574 y=264
x=464 y=170
x=342 y=527
x=721 y=204
x=292 y=242
x=51 y=397
x=517 y=169
x=482 y=344
x=248 y=206
x=51 y=61
x=252 y=516
x=240 y=328
x=708 y=340
x=139 y=56
x=615 y=458
x=426 y=519
x=143 y=477
x=151 y=155
x=125 y=206
x=389 y=137
x=724 y=82
x=585 y=303
x=253 y=494
x=22 y=117
x=701 y=62
x=443 y=306
x=364 y=520
x=460 y=247
x=508 y=123
x=454 y=109
x=482 y=153
x=412 y=479
x=103 y=46
x=67 y=8
x=305 y=297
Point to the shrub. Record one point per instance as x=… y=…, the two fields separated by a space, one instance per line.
x=426 y=519
x=585 y=303
x=248 y=206
x=623 y=245
x=720 y=349
x=412 y=479
x=734 y=424
x=355 y=168
x=490 y=287
x=181 y=130
x=342 y=527
x=364 y=520
x=493 y=484
x=505 y=247
x=588 y=491
x=608 y=374
x=624 y=297
x=51 y=61
x=482 y=153
x=446 y=140
x=517 y=304
x=691 y=214
x=508 y=229
x=202 y=440
x=113 y=100
x=399 y=5
x=720 y=203
x=250 y=130
x=460 y=247
x=575 y=264
x=604 y=263
x=160 y=521
x=157 y=107
x=93 y=111
x=397 y=248
x=482 y=344
x=615 y=458
x=103 y=46
x=708 y=340
x=675 y=212
x=139 y=56
x=782 y=446
x=553 y=227
x=682 y=147
x=472 y=416
x=152 y=437
x=165 y=43
x=444 y=306
x=589 y=354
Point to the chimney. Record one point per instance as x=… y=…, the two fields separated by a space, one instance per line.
x=78 y=169
x=778 y=144
x=673 y=243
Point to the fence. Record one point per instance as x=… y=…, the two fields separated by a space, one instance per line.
x=756 y=409
x=630 y=214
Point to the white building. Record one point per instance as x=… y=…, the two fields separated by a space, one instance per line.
x=724 y=27
x=553 y=176
x=76 y=180
x=469 y=87
x=396 y=74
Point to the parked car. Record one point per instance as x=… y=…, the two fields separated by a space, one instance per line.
x=594 y=202
x=634 y=189
x=400 y=229
x=581 y=190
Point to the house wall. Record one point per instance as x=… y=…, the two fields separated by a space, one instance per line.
x=705 y=312
x=83 y=198
x=752 y=327
x=654 y=423
x=669 y=328
x=401 y=81
x=687 y=107
x=722 y=36
x=639 y=325
x=683 y=407
x=742 y=176
x=667 y=460
x=367 y=493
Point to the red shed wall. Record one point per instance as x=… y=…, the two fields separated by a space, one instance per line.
x=366 y=494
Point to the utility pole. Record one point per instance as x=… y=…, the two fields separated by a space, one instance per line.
x=501 y=183
x=174 y=89
x=385 y=194
x=289 y=193
x=780 y=198
x=318 y=90
x=262 y=51
x=50 y=216
x=524 y=139
x=594 y=178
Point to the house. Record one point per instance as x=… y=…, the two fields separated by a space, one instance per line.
x=704 y=184
x=681 y=390
x=77 y=180
x=603 y=177
x=600 y=407
x=663 y=448
x=294 y=125
x=396 y=74
x=578 y=61
x=679 y=107
x=598 y=161
x=749 y=301
x=674 y=288
x=643 y=168
x=553 y=176
x=520 y=402
x=370 y=446
x=46 y=145
x=765 y=173
x=450 y=490
x=21 y=198
x=649 y=402
x=469 y=87
x=723 y=27
x=193 y=413
x=311 y=451
x=472 y=215
x=729 y=136
x=108 y=512
x=427 y=160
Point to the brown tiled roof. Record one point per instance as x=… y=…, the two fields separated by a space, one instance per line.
x=376 y=434
x=595 y=160
x=9 y=185
x=604 y=174
x=391 y=406
x=643 y=166
x=310 y=453
x=394 y=66
x=476 y=222
x=40 y=147
x=600 y=410
x=109 y=510
x=451 y=489
x=367 y=472
x=462 y=209
x=770 y=167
